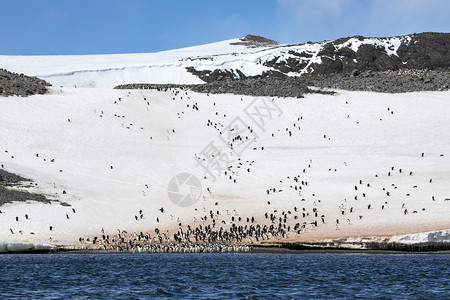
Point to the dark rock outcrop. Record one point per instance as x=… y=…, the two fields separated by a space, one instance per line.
x=276 y=84
x=400 y=81
x=216 y=75
x=423 y=51
x=426 y=51
x=255 y=41
x=417 y=62
x=21 y=85
x=8 y=195
x=264 y=85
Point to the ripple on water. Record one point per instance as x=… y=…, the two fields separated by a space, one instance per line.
x=224 y=276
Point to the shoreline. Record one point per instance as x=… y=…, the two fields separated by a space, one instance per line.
x=268 y=248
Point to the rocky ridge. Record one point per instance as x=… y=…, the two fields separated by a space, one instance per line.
x=417 y=62
x=423 y=51
x=261 y=86
x=401 y=81
x=255 y=41
x=13 y=84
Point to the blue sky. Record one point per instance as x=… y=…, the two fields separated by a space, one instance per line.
x=43 y=27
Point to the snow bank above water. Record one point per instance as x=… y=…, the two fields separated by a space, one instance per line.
x=25 y=247
x=442 y=236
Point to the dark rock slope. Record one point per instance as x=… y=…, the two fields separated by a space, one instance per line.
x=294 y=87
x=351 y=55
x=255 y=41
x=417 y=62
x=427 y=51
x=21 y=85
x=401 y=81
x=8 y=195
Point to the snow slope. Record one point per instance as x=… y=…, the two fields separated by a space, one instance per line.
x=107 y=71
x=362 y=139
x=114 y=69
x=115 y=151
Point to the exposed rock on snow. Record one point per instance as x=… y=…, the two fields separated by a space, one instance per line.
x=277 y=84
x=417 y=62
x=21 y=85
x=233 y=59
x=417 y=51
x=209 y=76
x=255 y=41
x=9 y=195
x=261 y=86
x=401 y=81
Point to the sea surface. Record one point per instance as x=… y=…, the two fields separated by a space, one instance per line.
x=224 y=276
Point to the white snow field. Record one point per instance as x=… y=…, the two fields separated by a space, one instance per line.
x=115 y=152
x=107 y=71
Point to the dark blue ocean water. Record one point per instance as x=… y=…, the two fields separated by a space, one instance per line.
x=225 y=276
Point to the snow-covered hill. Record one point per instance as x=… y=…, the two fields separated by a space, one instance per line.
x=111 y=70
x=346 y=165
x=239 y=59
